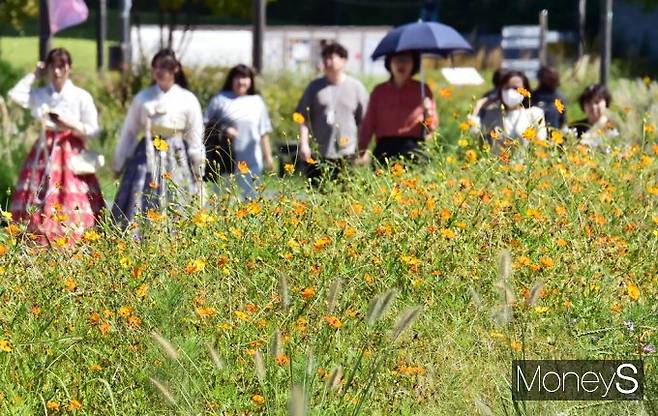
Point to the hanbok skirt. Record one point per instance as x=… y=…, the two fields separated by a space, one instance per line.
x=170 y=185
x=49 y=198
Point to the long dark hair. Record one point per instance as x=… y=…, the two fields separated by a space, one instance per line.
x=240 y=70
x=58 y=55
x=167 y=59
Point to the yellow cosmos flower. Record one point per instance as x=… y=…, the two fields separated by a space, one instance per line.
x=298 y=118
x=530 y=134
x=195 y=265
x=559 y=105
x=160 y=144
x=633 y=292
x=557 y=137
x=4 y=346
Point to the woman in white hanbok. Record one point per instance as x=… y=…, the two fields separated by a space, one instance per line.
x=165 y=168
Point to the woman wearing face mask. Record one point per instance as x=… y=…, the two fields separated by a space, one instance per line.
x=166 y=166
x=591 y=130
x=239 y=113
x=56 y=201
x=508 y=120
x=397 y=115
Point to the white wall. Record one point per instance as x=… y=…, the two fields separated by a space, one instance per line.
x=285 y=48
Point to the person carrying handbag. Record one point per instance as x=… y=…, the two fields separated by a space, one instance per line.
x=57 y=194
x=238 y=117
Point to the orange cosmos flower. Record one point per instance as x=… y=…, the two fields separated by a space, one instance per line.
x=308 y=293
x=243 y=168
x=75 y=405
x=333 y=322
x=523 y=92
x=282 y=359
x=205 y=312
x=445 y=93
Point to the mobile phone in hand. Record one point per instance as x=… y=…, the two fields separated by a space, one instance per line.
x=53 y=116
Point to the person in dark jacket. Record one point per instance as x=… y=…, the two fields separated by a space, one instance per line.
x=546 y=97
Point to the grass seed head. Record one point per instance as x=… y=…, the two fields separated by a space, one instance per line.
x=297 y=402
x=310 y=362
x=334 y=380
x=482 y=407
x=276 y=344
x=166 y=346
x=260 y=366
x=332 y=297
x=284 y=293
x=535 y=291
x=166 y=393
x=504 y=265
x=405 y=319
x=215 y=358
x=475 y=297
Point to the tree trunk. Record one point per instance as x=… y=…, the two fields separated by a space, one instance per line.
x=173 y=20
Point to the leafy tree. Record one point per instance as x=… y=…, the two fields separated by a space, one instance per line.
x=16 y=12
x=647 y=4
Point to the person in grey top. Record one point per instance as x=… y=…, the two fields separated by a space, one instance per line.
x=333 y=107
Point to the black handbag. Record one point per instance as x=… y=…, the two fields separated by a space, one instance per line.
x=219 y=152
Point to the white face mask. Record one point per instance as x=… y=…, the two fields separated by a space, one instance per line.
x=511 y=97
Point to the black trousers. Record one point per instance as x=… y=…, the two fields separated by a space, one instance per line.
x=398 y=147
x=327 y=169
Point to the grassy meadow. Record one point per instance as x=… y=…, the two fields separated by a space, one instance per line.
x=405 y=290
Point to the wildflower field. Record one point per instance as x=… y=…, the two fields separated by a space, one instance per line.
x=406 y=290
x=396 y=293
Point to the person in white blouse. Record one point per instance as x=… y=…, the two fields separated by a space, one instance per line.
x=167 y=165
x=507 y=120
x=239 y=113
x=55 y=197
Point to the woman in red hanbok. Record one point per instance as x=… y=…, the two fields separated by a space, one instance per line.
x=54 y=197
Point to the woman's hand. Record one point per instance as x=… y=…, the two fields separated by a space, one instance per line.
x=231 y=132
x=39 y=70
x=63 y=123
x=268 y=163
x=427 y=104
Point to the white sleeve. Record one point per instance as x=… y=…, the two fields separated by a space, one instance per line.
x=21 y=92
x=209 y=113
x=88 y=117
x=264 y=124
x=540 y=121
x=193 y=136
x=131 y=128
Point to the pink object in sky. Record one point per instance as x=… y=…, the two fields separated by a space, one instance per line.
x=66 y=13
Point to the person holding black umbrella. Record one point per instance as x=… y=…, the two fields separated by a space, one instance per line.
x=401 y=113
